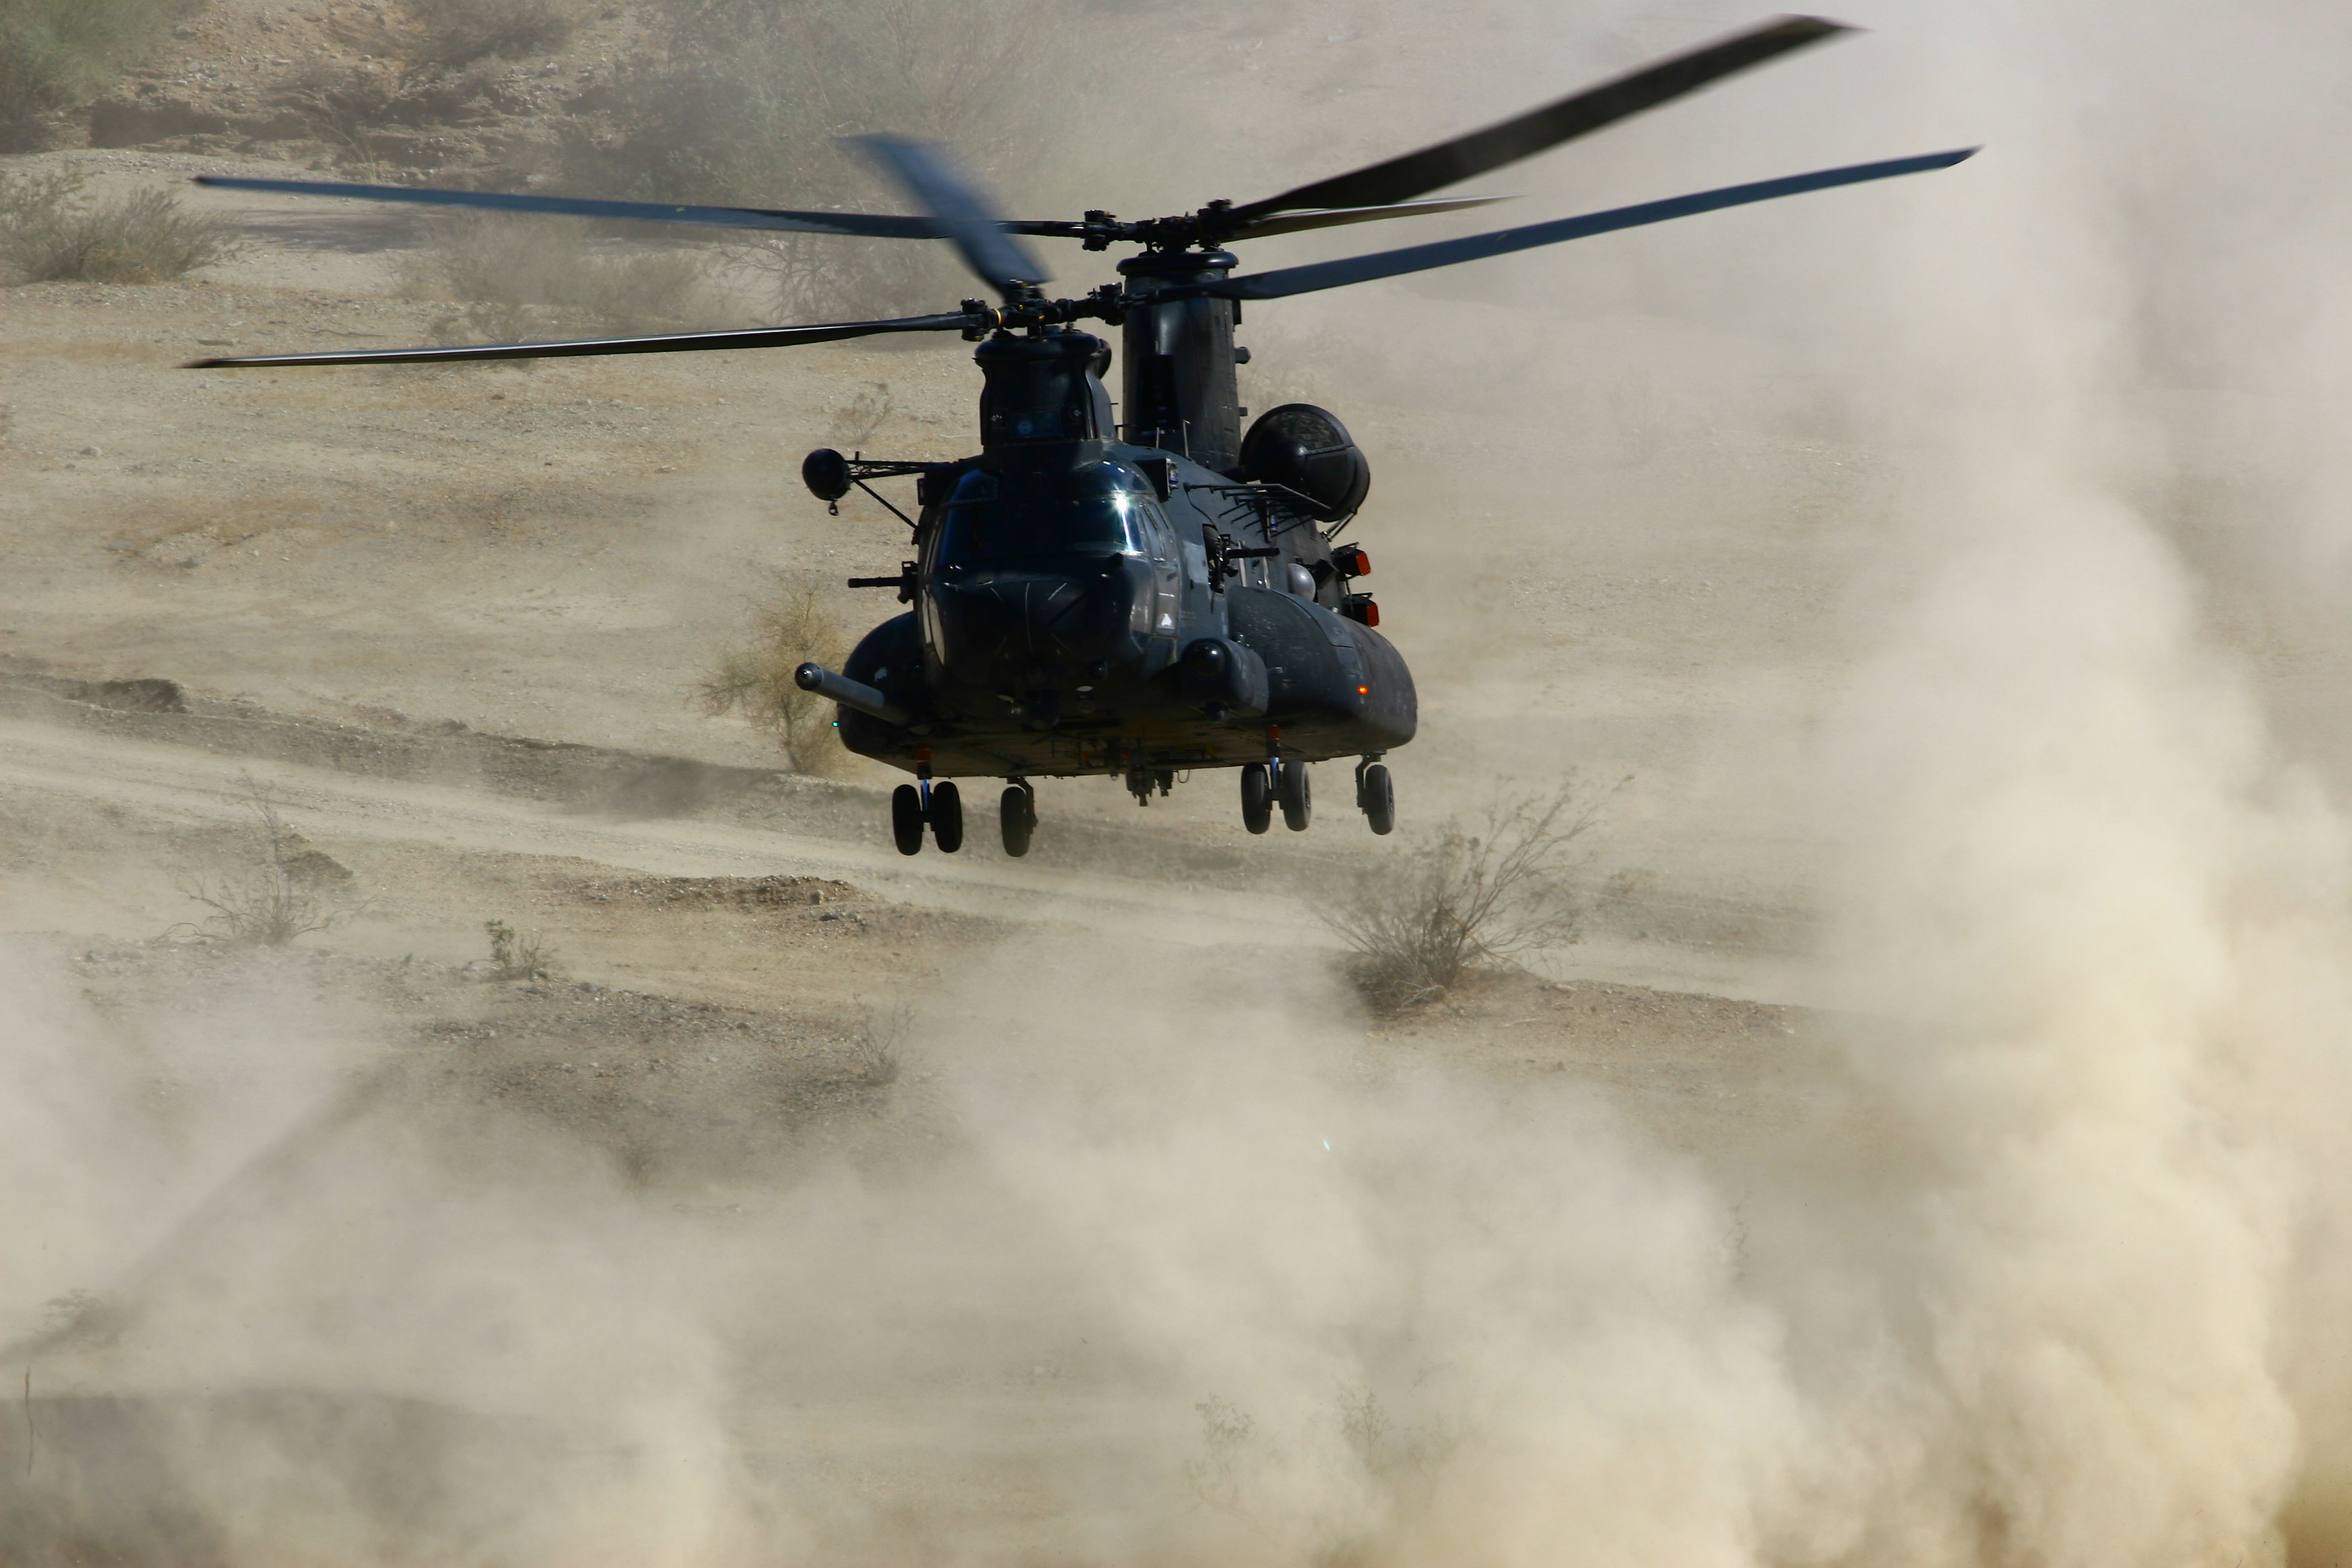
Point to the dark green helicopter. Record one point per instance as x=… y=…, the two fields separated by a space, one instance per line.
x=1169 y=593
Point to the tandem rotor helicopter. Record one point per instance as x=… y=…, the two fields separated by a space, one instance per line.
x=1168 y=592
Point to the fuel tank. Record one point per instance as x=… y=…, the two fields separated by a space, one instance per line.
x=1332 y=684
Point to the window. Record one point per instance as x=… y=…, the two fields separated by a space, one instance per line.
x=981 y=528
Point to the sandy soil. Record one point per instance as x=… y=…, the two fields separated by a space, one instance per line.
x=738 y=1014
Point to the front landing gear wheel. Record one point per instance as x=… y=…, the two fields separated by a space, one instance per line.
x=946 y=817
x=1298 y=799
x=1378 y=798
x=906 y=819
x=1257 y=797
x=1018 y=813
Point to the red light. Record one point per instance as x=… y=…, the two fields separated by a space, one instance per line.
x=1363 y=691
x=1371 y=614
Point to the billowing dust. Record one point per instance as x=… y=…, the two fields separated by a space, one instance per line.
x=1956 y=561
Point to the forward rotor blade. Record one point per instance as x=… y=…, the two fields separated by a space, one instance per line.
x=876 y=226
x=1288 y=281
x=1465 y=157
x=1291 y=223
x=673 y=343
x=954 y=202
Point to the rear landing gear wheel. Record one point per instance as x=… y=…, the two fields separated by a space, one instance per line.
x=1018 y=813
x=1257 y=797
x=1298 y=799
x=1378 y=798
x=906 y=819
x=946 y=817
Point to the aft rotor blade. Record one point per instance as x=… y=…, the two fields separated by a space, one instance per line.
x=1288 y=281
x=1579 y=113
x=1291 y=223
x=951 y=198
x=877 y=225
x=673 y=342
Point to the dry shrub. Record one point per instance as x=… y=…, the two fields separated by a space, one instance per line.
x=56 y=54
x=1219 y=1475
x=346 y=105
x=522 y=278
x=456 y=33
x=50 y=231
x=518 y=954
x=879 y=1042
x=746 y=100
x=1422 y=917
x=795 y=625
x=862 y=418
x=278 y=888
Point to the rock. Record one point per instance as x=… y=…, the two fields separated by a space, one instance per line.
x=145 y=696
x=315 y=869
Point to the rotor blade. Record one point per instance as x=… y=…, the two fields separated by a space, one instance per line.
x=868 y=224
x=673 y=343
x=1288 y=281
x=1291 y=223
x=951 y=197
x=1465 y=157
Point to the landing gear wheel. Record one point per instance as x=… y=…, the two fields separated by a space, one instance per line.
x=1257 y=797
x=1298 y=799
x=1378 y=798
x=946 y=817
x=906 y=819
x=1018 y=813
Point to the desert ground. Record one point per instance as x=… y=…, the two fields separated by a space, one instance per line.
x=1925 y=1150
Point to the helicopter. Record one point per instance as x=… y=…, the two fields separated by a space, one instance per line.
x=1145 y=596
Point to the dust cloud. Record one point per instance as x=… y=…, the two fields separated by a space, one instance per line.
x=1152 y=1263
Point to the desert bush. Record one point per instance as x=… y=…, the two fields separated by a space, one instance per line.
x=793 y=626
x=517 y=955
x=277 y=888
x=1419 y=918
x=745 y=101
x=54 y=54
x=346 y=105
x=859 y=420
x=879 y=1041
x=520 y=278
x=1218 y=1476
x=453 y=34
x=50 y=230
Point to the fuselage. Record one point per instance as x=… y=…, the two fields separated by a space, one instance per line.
x=1079 y=608
x=1085 y=603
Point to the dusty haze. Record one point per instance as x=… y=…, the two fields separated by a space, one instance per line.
x=1966 y=553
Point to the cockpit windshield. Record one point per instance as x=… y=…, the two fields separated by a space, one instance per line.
x=979 y=525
